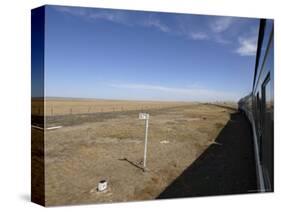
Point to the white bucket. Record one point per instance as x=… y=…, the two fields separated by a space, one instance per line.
x=102 y=186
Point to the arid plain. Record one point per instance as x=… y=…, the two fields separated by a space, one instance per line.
x=108 y=145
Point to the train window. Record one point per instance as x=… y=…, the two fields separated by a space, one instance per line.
x=258 y=122
x=258 y=112
x=258 y=99
x=267 y=127
x=265 y=96
x=265 y=43
x=262 y=117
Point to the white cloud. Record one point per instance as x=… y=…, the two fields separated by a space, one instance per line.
x=215 y=29
x=209 y=29
x=247 y=46
x=199 y=36
x=154 y=22
x=180 y=94
x=77 y=11
x=116 y=16
x=112 y=16
x=221 y=24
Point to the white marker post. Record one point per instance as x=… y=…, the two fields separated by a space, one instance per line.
x=145 y=116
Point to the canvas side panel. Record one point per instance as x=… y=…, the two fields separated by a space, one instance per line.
x=37 y=105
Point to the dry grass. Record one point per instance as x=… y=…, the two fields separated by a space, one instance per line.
x=54 y=107
x=78 y=156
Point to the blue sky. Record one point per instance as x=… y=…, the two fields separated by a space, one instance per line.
x=119 y=54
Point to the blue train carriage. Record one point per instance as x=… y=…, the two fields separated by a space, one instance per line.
x=258 y=106
x=245 y=106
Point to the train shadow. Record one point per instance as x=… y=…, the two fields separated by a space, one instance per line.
x=225 y=167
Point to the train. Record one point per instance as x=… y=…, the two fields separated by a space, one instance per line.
x=258 y=106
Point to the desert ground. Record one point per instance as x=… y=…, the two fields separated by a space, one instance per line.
x=109 y=146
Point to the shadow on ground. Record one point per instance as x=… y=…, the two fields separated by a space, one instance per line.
x=226 y=167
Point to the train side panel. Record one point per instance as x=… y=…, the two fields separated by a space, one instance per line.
x=263 y=110
x=259 y=107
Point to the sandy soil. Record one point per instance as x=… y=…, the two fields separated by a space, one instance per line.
x=87 y=150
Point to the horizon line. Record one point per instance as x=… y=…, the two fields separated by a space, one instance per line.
x=120 y=99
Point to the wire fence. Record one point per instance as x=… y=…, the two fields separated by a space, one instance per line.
x=75 y=110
